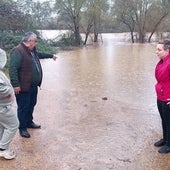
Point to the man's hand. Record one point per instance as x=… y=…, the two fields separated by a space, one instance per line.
x=17 y=90
x=54 y=57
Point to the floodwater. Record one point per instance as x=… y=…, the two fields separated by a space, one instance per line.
x=97 y=109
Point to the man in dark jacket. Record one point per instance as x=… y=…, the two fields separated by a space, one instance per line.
x=26 y=75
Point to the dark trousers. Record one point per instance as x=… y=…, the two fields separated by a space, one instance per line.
x=164 y=111
x=26 y=102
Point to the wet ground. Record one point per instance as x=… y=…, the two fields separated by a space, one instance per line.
x=97 y=109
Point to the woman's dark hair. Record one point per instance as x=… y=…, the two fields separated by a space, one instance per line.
x=166 y=44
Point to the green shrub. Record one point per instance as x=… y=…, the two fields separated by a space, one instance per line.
x=45 y=47
x=8 y=40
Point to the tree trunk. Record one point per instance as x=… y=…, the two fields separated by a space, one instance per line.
x=95 y=36
x=141 y=37
x=77 y=35
x=132 y=36
x=149 y=39
x=85 y=41
x=87 y=33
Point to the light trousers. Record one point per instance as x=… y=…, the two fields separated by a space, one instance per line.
x=8 y=125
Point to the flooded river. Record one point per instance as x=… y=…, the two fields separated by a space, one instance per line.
x=97 y=108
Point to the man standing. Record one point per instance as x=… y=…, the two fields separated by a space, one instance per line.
x=26 y=75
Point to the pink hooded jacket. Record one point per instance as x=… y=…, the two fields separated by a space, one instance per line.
x=162 y=75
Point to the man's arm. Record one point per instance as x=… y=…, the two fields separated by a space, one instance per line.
x=45 y=55
x=14 y=65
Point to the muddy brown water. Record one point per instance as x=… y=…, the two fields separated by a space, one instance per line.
x=97 y=109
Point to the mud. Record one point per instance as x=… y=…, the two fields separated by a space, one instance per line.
x=97 y=109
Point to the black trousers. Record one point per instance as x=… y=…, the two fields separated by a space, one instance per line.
x=26 y=102
x=164 y=111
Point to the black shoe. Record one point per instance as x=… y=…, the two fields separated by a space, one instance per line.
x=24 y=133
x=164 y=149
x=159 y=143
x=34 y=126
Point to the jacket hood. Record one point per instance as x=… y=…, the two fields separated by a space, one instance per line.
x=3 y=59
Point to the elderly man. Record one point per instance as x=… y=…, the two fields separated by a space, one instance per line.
x=26 y=75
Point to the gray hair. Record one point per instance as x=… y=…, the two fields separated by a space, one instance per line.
x=29 y=36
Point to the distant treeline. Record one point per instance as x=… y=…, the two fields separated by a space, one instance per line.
x=138 y=17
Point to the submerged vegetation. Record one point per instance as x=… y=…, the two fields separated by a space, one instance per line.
x=90 y=17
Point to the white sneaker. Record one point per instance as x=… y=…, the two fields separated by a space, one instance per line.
x=7 y=154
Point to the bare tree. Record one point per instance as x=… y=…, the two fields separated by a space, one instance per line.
x=72 y=8
x=150 y=13
x=160 y=11
x=87 y=24
x=142 y=16
x=124 y=12
x=93 y=13
x=40 y=15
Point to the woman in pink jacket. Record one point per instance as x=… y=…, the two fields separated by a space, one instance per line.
x=162 y=87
